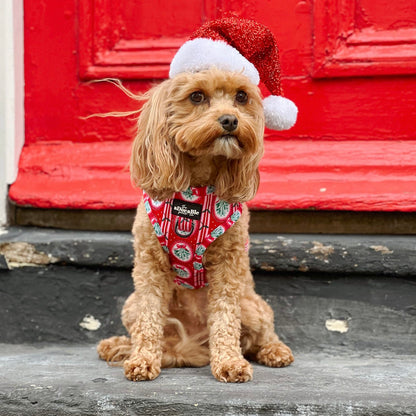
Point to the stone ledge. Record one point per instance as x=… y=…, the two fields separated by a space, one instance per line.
x=361 y=254
x=70 y=304
x=71 y=380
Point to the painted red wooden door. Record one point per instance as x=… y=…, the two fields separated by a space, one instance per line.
x=349 y=65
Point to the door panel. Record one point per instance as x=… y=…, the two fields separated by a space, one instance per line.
x=136 y=40
x=361 y=38
x=349 y=65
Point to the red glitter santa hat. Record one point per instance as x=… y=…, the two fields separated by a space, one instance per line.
x=240 y=45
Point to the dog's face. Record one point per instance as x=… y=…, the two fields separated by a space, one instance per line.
x=215 y=113
x=211 y=115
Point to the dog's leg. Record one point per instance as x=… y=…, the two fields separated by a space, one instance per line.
x=227 y=361
x=259 y=340
x=152 y=295
x=224 y=319
x=145 y=312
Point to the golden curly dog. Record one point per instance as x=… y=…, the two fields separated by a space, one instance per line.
x=183 y=140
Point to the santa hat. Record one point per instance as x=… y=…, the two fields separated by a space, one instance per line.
x=240 y=45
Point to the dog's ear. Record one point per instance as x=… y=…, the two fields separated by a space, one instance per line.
x=238 y=180
x=156 y=164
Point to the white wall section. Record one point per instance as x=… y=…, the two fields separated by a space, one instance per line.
x=11 y=96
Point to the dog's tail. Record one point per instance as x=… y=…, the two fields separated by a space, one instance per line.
x=182 y=350
x=179 y=350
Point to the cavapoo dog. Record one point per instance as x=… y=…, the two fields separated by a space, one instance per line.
x=196 y=155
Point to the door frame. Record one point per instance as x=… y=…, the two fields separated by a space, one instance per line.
x=12 y=122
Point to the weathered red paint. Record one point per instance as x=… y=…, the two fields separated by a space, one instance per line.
x=296 y=174
x=349 y=65
x=364 y=38
x=126 y=40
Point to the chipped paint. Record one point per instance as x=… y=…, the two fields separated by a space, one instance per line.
x=21 y=254
x=267 y=267
x=320 y=251
x=382 y=249
x=337 y=325
x=90 y=323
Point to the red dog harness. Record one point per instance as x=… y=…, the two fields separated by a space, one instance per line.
x=186 y=225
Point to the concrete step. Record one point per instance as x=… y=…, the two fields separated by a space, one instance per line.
x=353 y=338
x=312 y=312
x=307 y=253
x=71 y=380
x=345 y=305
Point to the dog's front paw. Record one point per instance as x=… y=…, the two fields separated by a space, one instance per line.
x=236 y=370
x=275 y=354
x=140 y=368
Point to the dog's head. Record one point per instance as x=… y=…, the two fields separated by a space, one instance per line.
x=197 y=129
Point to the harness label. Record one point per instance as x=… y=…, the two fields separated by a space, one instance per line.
x=185 y=209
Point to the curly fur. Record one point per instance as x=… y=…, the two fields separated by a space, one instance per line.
x=180 y=144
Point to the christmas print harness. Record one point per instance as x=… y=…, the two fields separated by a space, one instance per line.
x=186 y=225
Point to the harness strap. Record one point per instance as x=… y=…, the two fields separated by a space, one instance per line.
x=186 y=225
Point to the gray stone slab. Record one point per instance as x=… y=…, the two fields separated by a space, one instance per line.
x=71 y=380
x=314 y=253
x=344 y=254
x=313 y=312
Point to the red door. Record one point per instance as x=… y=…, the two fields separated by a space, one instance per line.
x=349 y=65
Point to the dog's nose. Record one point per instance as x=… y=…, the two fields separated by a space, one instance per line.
x=228 y=122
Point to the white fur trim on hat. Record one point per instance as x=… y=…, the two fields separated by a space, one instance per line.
x=202 y=53
x=280 y=113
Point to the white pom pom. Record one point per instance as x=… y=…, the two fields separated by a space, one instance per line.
x=280 y=113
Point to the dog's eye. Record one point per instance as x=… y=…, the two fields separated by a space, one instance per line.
x=197 y=97
x=241 y=97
